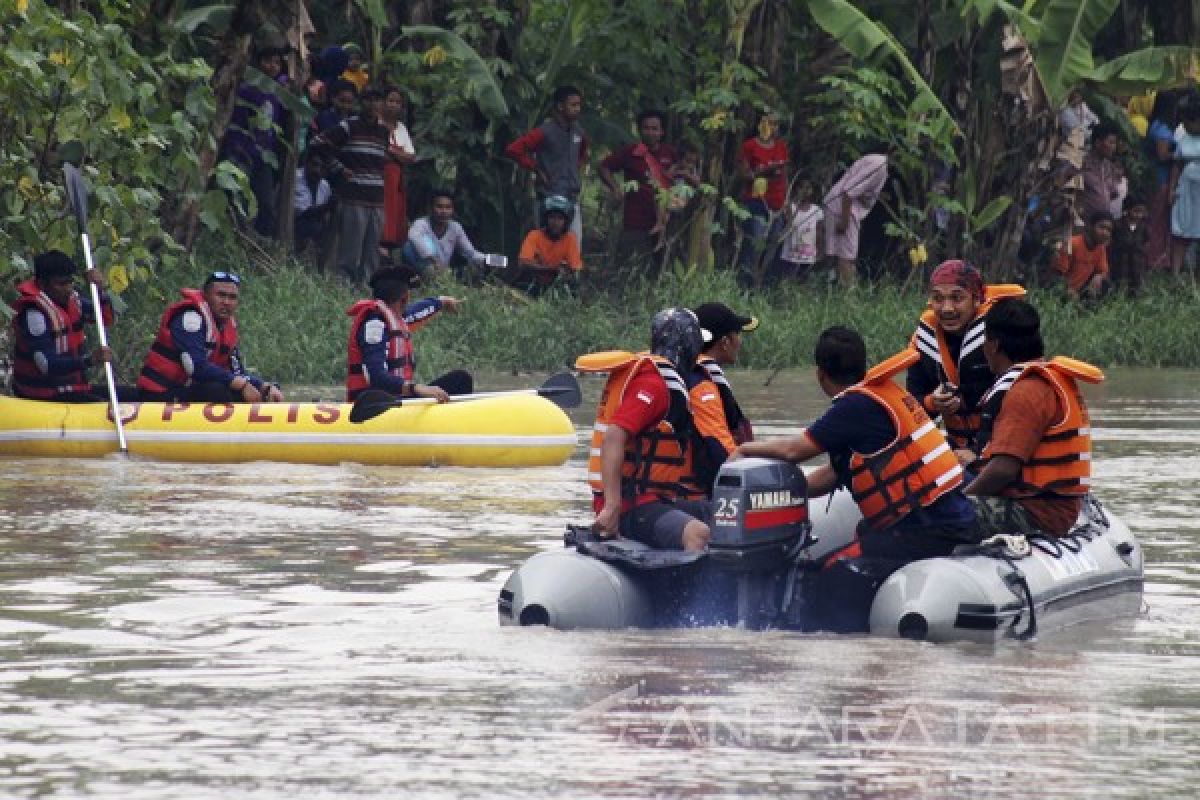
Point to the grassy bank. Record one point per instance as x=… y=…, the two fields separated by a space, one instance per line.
x=294 y=326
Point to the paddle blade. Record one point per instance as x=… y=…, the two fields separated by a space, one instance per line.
x=371 y=403
x=77 y=194
x=562 y=389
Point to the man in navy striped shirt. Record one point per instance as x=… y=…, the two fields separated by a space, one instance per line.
x=355 y=151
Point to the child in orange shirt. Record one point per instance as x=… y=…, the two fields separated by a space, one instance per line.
x=1085 y=267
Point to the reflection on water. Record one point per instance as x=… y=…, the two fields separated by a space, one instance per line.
x=274 y=631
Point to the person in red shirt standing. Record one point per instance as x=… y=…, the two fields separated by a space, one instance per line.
x=555 y=151
x=764 y=165
x=648 y=162
x=641 y=468
x=1084 y=266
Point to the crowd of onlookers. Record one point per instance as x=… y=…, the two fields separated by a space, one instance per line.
x=1091 y=223
x=1103 y=224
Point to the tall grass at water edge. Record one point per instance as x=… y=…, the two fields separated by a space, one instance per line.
x=294 y=327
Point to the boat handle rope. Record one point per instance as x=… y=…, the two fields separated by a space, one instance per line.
x=1016 y=580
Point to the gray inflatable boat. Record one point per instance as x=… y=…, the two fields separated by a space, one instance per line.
x=768 y=544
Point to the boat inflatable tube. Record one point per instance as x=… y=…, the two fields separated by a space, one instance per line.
x=767 y=541
x=517 y=430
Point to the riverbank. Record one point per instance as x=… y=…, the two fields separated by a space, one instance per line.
x=294 y=326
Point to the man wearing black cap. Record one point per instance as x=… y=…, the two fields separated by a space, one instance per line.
x=720 y=422
x=195 y=355
x=380 y=352
x=49 y=359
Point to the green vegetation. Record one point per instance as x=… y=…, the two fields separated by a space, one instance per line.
x=294 y=327
x=140 y=92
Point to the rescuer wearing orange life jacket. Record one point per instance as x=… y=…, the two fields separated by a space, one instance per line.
x=897 y=464
x=720 y=424
x=642 y=469
x=50 y=361
x=380 y=354
x=1035 y=461
x=952 y=375
x=195 y=355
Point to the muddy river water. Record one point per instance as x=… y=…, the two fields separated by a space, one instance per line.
x=280 y=631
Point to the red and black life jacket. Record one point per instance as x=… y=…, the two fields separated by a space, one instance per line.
x=401 y=361
x=66 y=325
x=164 y=369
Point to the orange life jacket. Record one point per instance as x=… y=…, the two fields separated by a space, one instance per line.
x=397 y=336
x=659 y=462
x=1061 y=464
x=67 y=328
x=736 y=421
x=915 y=468
x=969 y=372
x=163 y=370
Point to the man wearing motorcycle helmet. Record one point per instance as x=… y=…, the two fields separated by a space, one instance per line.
x=641 y=469
x=551 y=250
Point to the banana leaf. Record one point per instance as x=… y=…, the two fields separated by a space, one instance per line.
x=475 y=71
x=866 y=40
x=1062 y=49
x=1151 y=68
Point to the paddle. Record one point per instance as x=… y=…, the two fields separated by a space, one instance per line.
x=77 y=194
x=560 y=388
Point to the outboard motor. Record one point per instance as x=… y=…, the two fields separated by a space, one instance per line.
x=747 y=577
x=760 y=526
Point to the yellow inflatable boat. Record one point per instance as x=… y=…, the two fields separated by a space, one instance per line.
x=514 y=430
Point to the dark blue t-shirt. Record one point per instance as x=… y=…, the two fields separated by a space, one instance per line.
x=855 y=423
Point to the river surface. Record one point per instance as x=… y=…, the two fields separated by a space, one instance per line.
x=274 y=631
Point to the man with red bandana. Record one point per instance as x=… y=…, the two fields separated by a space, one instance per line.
x=953 y=375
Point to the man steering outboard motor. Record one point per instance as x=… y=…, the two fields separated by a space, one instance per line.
x=749 y=575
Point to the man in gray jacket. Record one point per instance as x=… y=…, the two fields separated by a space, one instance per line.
x=555 y=150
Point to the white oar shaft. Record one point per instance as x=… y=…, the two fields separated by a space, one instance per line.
x=458 y=398
x=109 y=377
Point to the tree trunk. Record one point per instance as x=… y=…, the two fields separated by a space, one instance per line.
x=297 y=67
x=1175 y=22
x=700 y=245
x=229 y=62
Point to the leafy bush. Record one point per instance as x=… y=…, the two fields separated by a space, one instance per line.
x=85 y=87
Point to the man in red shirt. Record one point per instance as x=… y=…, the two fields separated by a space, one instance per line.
x=644 y=488
x=1085 y=268
x=648 y=162
x=554 y=152
x=764 y=164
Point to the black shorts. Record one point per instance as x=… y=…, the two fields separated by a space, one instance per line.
x=661 y=524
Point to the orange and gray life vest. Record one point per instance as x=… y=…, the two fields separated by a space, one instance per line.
x=970 y=371
x=735 y=420
x=914 y=469
x=164 y=369
x=67 y=329
x=658 y=463
x=1061 y=464
x=396 y=335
